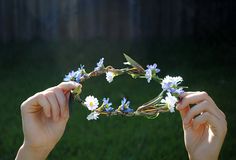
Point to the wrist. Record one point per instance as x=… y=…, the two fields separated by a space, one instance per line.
x=200 y=157
x=29 y=152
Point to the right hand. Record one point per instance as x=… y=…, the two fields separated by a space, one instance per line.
x=204 y=125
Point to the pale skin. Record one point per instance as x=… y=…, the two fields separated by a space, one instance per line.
x=204 y=126
x=45 y=115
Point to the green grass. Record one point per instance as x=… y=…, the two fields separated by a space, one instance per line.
x=27 y=68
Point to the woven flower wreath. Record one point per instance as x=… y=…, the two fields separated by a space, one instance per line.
x=170 y=90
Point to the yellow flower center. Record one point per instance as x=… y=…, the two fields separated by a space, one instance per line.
x=91 y=103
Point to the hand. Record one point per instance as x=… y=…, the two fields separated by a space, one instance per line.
x=44 y=118
x=204 y=125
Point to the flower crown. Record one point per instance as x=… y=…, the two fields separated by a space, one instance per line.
x=151 y=109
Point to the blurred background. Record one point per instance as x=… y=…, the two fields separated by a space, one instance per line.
x=41 y=41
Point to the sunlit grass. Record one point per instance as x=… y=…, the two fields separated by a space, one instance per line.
x=28 y=68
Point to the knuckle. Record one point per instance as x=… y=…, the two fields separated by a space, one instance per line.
x=205 y=114
x=205 y=103
x=39 y=95
x=49 y=89
x=225 y=125
x=56 y=89
x=49 y=93
x=23 y=106
x=198 y=92
x=224 y=128
x=224 y=116
x=205 y=94
x=31 y=99
x=62 y=83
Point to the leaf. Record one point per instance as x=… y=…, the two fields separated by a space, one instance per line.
x=154 y=100
x=134 y=63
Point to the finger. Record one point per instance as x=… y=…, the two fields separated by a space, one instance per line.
x=67 y=112
x=186 y=93
x=42 y=101
x=67 y=86
x=204 y=106
x=222 y=113
x=61 y=99
x=184 y=111
x=34 y=104
x=67 y=98
x=208 y=118
x=179 y=105
x=54 y=105
x=197 y=97
x=193 y=98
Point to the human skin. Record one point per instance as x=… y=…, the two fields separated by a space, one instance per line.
x=44 y=118
x=45 y=115
x=204 y=125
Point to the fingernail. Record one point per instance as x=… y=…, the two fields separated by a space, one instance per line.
x=76 y=84
x=177 y=106
x=180 y=101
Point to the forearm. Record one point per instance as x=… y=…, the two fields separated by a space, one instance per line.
x=29 y=153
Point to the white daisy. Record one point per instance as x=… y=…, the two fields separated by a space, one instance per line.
x=110 y=76
x=170 y=101
x=169 y=82
x=91 y=102
x=93 y=116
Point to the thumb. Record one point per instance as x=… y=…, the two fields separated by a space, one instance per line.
x=67 y=86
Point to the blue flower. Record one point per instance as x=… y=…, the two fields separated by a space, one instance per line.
x=179 y=91
x=107 y=105
x=81 y=67
x=81 y=70
x=151 y=71
x=100 y=65
x=71 y=76
x=78 y=77
x=75 y=75
x=81 y=73
x=153 y=68
x=170 y=84
x=125 y=106
x=123 y=101
x=148 y=75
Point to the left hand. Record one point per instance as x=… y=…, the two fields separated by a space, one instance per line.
x=44 y=118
